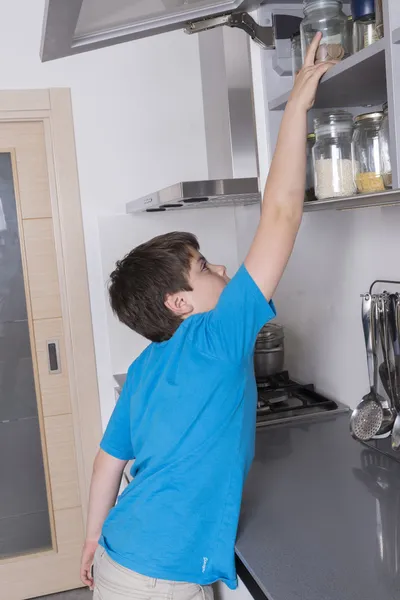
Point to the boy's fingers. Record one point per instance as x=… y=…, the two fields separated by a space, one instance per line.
x=322 y=68
x=86 y=576
x=309 y=60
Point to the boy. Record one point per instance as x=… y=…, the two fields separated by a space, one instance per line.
x=187 y=410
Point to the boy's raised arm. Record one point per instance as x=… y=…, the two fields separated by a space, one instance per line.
x=284 y=191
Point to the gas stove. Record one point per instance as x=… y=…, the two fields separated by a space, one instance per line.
x=281 y=400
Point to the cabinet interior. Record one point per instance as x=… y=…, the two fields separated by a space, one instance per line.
x=359 y=84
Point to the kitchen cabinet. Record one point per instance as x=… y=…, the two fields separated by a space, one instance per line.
x=81 y=25
x=361 y=83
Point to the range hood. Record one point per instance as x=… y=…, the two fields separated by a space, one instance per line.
x=229 y=128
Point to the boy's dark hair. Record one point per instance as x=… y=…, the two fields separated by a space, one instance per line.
x=142 y=280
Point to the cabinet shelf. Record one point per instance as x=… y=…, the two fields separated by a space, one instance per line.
x=396 y=36
x=388 y=198
x=359 y=80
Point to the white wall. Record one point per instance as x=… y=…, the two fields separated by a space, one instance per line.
x=336 y=258
x=215 y=228
x=138 y=124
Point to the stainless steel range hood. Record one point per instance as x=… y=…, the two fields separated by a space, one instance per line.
x=229 y=128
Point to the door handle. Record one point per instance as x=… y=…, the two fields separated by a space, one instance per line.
x=53 y=356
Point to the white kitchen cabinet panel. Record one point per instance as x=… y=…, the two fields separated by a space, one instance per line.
x=81 y=25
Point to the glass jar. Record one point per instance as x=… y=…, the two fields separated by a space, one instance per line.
x=310 y=191
x=364 y=33
x=384 y=141
x=297 y=61
x=379 y=19
x=350 y=33
x=367 y=153
x=327 y=17
x=332 y=157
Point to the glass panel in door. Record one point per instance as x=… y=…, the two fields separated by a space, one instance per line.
x=24 y=512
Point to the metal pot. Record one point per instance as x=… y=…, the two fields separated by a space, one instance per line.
x=270 y=336
x=268 y=361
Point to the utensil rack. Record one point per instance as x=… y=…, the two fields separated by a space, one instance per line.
x=371 y=292
x=390 y=281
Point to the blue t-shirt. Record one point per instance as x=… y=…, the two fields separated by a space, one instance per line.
x=187 y=415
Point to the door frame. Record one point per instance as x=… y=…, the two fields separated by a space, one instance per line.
x=53 y=108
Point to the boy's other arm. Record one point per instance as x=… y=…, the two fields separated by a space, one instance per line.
x=284 y=191
x=106 y=479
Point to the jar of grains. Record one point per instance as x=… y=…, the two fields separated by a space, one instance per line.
x=384 y=140
x=327 y=17
x=332 y=157
x=367 y=153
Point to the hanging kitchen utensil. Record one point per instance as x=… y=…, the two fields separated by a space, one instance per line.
x=387 y=369
x=394 y=336
x=381 y=334
x=367 y=418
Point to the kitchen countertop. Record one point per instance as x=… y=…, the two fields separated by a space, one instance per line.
x=320 y=515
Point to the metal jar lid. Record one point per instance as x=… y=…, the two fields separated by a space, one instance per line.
x=373 y=116
x=271 y=335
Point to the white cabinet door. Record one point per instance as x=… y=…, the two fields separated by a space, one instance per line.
x=80 y=25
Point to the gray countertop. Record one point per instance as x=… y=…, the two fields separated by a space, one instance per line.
x=320 y=515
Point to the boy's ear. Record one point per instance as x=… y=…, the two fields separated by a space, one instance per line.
x=178 y=304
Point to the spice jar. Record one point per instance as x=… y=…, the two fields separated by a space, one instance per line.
x=379 y=19
x=384 y=141
x=332 y=158
x=310 y=191
x=327 y=17
x=367 y=153
x=350 y=33
x=364 y=33
x=297 y=61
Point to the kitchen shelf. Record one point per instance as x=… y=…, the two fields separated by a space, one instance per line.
x=359 y=80
x=396 y=36
x=388 y=198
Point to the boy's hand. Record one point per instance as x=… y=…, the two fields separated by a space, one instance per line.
x=88 y=553
x=306 y=82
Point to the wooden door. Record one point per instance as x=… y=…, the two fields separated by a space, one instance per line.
x=41 y=513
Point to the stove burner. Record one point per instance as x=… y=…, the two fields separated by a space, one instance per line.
x=281 y=399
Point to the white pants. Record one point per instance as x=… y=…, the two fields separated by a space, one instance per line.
x=114 y=582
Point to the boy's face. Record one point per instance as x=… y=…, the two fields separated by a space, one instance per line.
x=207 y=282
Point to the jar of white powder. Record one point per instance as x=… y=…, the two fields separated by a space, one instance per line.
x=332 y=156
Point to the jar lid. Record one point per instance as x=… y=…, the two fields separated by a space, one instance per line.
x=374 y=116
x=333 y=122
x=321 y=3
x=271 y=332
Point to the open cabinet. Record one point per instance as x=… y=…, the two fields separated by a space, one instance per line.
x=360 y=83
